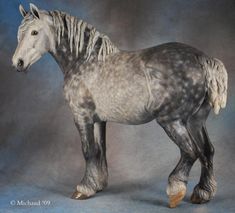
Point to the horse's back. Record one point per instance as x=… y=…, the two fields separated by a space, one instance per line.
x=172 y=56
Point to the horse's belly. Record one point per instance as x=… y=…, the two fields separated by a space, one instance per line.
x=124 y=115
x=123 y=105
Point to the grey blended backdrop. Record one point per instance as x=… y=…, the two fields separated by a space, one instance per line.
x=40 y=154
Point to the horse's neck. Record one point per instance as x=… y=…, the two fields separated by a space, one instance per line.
x=69 y=62
x=78 y=43
x=66 y=59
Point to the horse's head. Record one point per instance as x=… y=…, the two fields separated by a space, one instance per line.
x=35 y=37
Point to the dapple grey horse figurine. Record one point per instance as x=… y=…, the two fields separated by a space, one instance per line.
x=173 y=83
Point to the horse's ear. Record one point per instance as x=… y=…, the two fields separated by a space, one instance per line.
x=22 y=11
x=34 y=10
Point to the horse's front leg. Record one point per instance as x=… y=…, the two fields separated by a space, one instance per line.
x=93 y=147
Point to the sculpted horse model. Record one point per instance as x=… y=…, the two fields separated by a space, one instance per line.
x=173 y=83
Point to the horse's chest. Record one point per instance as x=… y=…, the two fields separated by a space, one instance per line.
x=79 y=99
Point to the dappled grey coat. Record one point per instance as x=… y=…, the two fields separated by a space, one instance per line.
x=173 y=83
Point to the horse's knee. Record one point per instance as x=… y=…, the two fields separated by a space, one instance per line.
x=210 y=150
x=179 y=133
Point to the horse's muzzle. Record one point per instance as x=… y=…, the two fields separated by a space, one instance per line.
x=20 y=65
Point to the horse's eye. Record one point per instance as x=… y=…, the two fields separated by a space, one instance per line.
x=34 y=32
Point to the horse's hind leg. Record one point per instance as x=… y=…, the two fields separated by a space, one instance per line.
x=206 y=187
x=93 y=147
x=177 y=180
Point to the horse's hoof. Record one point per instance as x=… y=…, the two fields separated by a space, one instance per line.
x=79 y=196
x=176 y=191
x=174 y=200
x=197 y=200
x=200 y=196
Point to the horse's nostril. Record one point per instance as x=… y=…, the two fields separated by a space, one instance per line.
x=20 y=63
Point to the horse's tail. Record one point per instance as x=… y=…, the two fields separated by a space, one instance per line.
x=216 y=82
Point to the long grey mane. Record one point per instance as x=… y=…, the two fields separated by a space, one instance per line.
x=76 y=35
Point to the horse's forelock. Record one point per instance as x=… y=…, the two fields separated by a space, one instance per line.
x=28 y=20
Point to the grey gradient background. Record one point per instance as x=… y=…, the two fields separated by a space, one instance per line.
x=40 y=154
